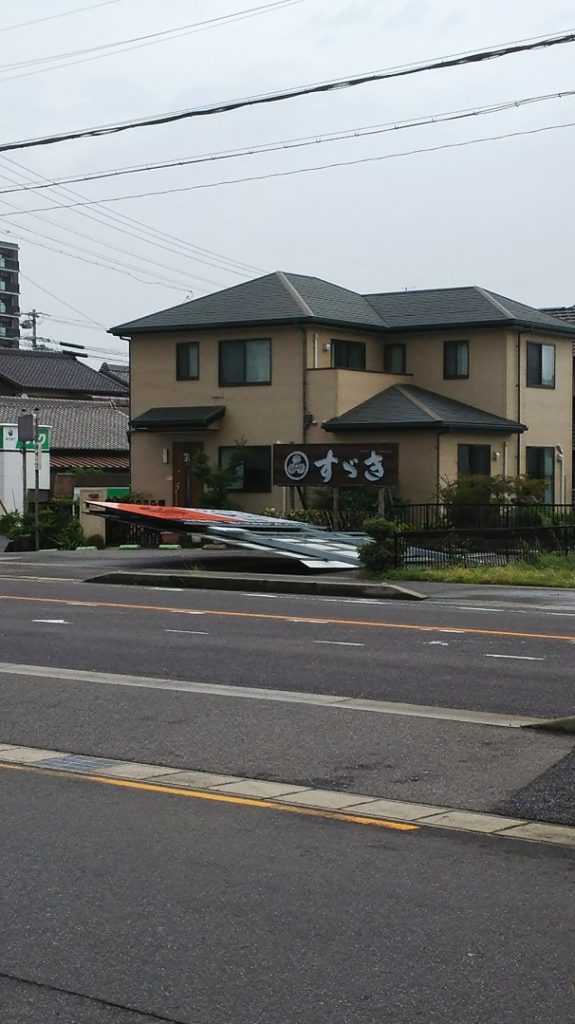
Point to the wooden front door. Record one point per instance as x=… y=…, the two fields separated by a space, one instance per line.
x=187 y=490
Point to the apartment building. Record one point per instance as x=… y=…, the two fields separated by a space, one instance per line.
x=9 y=295
x=463 y=380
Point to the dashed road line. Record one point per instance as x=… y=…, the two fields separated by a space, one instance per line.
x=311 y=620
x=339 y=643
x=514 y=657
x=189 y=632
x=353 y=808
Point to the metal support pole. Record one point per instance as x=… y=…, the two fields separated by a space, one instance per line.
x=24 y=479
x=36 y=488
x=336 y=518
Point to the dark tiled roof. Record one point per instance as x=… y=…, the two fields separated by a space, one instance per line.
x=459 y=307
x=54 y=371
x=408 y=407
x=96 y=462
x=275 y=298
x=116 y=371
x=76 y=425
x=195 y=417
x=296 y=298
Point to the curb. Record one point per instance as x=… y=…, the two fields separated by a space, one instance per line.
x=553 y=725
x=269 y=584
x=357 y=808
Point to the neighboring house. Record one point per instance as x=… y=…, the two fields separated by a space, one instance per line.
x=464 y=380
x=53 y=374
x=567 y=314
x=117 y=371
x=89 y=439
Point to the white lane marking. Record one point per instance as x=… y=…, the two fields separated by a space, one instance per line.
x=316 y=622
x=54 y=622
x=442 y=629
x=338 y=643
x=62 y=675
x=190 y=632
x=514 y=657
x=436 y=643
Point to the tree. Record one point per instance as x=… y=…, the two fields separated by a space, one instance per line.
x=218 y=480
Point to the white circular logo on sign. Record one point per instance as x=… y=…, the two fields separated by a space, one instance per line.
x=296 y=466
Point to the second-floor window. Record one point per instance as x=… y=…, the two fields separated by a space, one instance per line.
x=540 y=365
x=455 y=360
x=347 y=355
x=245 y=362
x=394 y=358
x=187 y=360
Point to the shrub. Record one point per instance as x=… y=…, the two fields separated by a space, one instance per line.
x=379 y=554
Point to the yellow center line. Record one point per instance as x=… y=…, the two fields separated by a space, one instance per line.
x=362 y=623
x=220 y=798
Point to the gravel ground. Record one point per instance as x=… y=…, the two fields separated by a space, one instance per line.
x=550 y=797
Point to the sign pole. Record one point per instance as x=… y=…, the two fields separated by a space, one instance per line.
x=336 y=519
x=36 y=487
x=381 y=502
x=24 y=480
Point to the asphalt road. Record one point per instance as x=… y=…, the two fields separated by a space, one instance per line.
x=426 y=653
x=125 y=907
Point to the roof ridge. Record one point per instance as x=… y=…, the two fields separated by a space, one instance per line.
x=494 y=302
x=416 y=401
x=291 y=288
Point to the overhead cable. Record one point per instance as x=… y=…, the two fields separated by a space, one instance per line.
x=62 y=14
x=441 y=64
x=310 y=170
x=295 y=143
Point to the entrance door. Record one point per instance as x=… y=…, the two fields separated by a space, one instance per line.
x=187 y=490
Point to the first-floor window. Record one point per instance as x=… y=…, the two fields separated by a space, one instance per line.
x=254 y=473
x=540 y=465
x=473 y=459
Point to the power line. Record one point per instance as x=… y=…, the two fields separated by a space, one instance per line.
x=118 y=221
x=441 y=64
x=297 y=143
x=124 y=45
x=318 y=167
x=63 y=14
x=62 y=301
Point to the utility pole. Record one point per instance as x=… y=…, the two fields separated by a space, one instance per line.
x=31 y=323
x=36 y=485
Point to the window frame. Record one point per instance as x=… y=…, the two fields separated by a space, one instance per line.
x=388 y=349
x=540 y=345
x=352 y=346
x=541 y=450
x=247 y=448
x=180 y=346
x=453 y=346
x=472 y=472
x=244 y=342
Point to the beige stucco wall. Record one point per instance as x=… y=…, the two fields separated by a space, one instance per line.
x=265 y=414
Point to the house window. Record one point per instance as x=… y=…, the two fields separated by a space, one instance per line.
x=473 y=459
x=2 y=306
x=2 y=284
x=394 y=358
x=245 y=362
x=254 y=473
x=455 y=360
x=3 y=331
x=347 y=355
x=540 y=365
x=187 y=360
x=540 y=465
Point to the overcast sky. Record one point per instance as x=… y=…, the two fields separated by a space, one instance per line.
x=498 y=214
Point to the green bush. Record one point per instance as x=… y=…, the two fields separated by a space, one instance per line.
x=379 y=554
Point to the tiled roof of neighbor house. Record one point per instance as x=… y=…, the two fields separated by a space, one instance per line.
x=566 y=313
x=296 y=298
x=459 y=307
x=76 y=425
x=408 y=407
x=116 y=371
x=187 y=417
x=54 y=371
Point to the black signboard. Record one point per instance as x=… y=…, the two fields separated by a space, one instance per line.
x=336 y=465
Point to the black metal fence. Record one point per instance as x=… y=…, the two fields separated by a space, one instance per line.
x=456 y=516
x=467 y=547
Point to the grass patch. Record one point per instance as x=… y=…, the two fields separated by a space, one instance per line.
x=546 y=571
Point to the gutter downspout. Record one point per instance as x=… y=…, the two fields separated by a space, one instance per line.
x=304 y=387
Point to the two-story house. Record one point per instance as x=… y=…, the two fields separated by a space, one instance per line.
x=464 y=380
